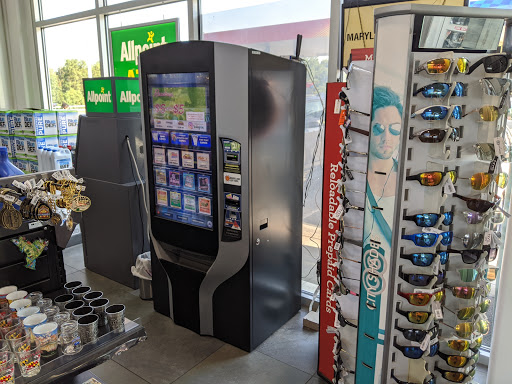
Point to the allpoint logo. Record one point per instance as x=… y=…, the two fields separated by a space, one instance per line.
x=129 y=97
x=93 y=97
x=130 y=51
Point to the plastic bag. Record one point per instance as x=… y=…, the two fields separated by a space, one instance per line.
x=142 y=268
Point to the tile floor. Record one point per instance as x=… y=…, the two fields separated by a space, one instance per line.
x=172 y=354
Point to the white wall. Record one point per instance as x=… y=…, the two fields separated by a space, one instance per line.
x=19 y=74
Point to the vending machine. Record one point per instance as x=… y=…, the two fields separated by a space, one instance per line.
x=224 y=139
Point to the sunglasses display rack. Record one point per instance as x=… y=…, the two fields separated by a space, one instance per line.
x=345 y=162
x=434 y=211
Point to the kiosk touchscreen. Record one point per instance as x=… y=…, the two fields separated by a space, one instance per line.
x=181 y=144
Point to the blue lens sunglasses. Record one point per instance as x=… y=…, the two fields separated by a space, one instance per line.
x=438 y=112
x=425 y=259
x=429 y=239
x=430 y=219
x=439 y=90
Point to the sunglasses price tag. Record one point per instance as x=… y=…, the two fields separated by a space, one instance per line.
x=449 y=188
x=337 y=106
x=425 y=344
x=499 y=146
x=438 y=312
x=427 y=291
x=435 y=267
x=339 y=212
x=431 y=230
x=488 y=238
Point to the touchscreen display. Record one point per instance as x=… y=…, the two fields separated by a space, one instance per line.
x=179 y=113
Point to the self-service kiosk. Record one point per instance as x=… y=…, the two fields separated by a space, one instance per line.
x=224 y=138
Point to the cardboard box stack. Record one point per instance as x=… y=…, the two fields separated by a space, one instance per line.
x=68 y=128
x=23 y=132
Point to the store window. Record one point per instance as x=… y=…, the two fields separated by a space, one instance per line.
x=162 y=12
x=272 y=26
x=56 y=8
x=71 y=54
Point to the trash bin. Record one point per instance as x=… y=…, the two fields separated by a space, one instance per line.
x=142 y=270
x=146 y=289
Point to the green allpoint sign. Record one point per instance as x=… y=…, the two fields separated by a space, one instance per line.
x=127 y=43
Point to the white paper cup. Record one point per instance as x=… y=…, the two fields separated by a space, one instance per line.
x=16 y=295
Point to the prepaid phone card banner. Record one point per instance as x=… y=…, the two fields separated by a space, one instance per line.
x=385 y=135
x=181 y=139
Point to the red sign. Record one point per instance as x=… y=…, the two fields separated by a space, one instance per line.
x=359 y=54
x=332 y=173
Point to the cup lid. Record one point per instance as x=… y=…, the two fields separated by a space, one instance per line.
x=8 y=289
x=41 y=329
x=35 y=319
x=21 y=303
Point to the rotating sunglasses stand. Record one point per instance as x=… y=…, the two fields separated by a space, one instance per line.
x=397 y=58
x=415 y=157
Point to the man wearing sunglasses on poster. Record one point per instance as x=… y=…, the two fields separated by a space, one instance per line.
x=384 y=140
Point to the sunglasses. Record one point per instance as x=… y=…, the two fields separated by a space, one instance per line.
x=439 y=90
x=438 y=112
x=421 y=299
x=481 y=180
x=464 y=345
x=415 y=317
x=468 y=256
x=463 y=313
x=472 y=240
x=433 y=136
x=438 y=66
x=341 y=289
x=463 y=330
x=416 y=352
x=471 y=274
x=455 y=377
x=487 y=113
x=429 y=239
x=430 y=219
x=429 y=380
x=432 y=179
x=425 y=259
x=492 y=64
x=495 y=86
x=418 y=335
x=421 y=280
x=343 y=322
x=485 y=151
x=462 y=292
x=477 y=205
x=477 y=218
x=457 y=361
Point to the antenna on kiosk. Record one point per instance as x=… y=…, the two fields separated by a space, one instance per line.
x=297 y=48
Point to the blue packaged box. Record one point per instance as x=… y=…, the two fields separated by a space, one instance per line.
x=35 y=142
x=16 y=122
x=4 y=126
x=67 y=140
x=20 y=145
x=67 y=122
x=6 y=142
x=10 y=123
x=40 y=123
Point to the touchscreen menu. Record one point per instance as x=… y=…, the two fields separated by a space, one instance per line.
x=181 y=143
